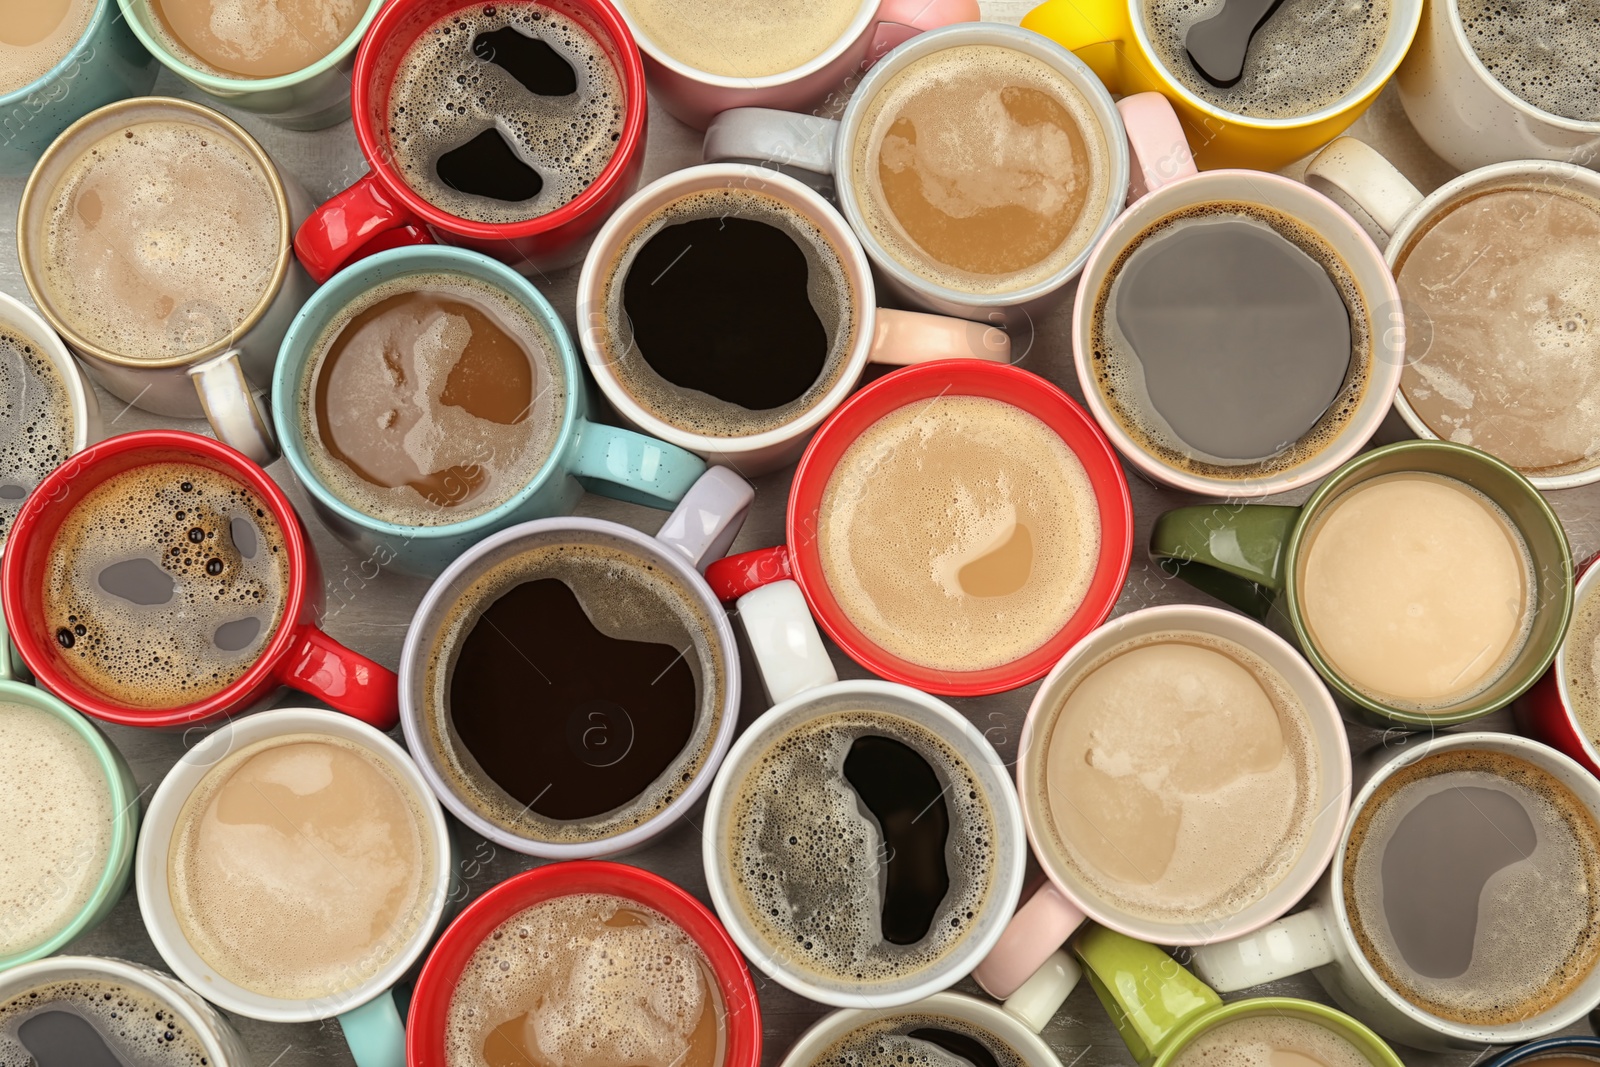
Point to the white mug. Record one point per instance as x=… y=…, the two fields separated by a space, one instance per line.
x=87 y=425
x=981 y=1015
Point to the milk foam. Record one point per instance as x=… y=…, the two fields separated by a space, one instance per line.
x=39 y=35
x=1544 y=51
x=252 y=39
x=142 y=1029
x=1271 y=1040
x=36 y=422
x=743 y=38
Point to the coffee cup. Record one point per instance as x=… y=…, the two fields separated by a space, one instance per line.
x=217 y=632
x=403 y=513
x=1257 y=121
x=1020 y=456
x=1559 y=709
x=62 y=69
x=752 y=56
x=1553 y=1052
x=484 y=202
x=943 y=1020
x=633 y=657
x=160 y=173
x=325 y=881
x=82 y=1001
x=738 y=352
x=571 y=899
x=1406 y=929
x=1265 y=737
x=1391 y=624
x=1473 y=116
x=1023 y=190
x=1235 y=333
x=291 y=69
x=1521 y=223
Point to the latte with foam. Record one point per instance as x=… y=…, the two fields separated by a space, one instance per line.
x=742 y=38
x=90 y=1020
x=36 y=422
x=249 y=39
x=919 y=1039
x=35 y=35
x=1271 y=1040
x=1545 y=52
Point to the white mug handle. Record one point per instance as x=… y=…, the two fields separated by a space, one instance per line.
x=767 y=135
x=1038 y=999
x=705 y=522
x=783 y=635
x=1353 y=175
x=233 y=408
x=1293 y=944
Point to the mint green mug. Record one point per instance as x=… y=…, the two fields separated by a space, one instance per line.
x=1253 y=556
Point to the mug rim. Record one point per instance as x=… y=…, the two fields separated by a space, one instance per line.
x=781 y=719
x=168 y=444
x=1583 y=587
x=205 y=115
x=997 y=35
x=75 y=53
x=1506 y=96
x=1383 y=379
x=1375 y=1045
x=864 y=17
x=296 y=351
x=152 y=883
x=1526 y=1053
x=79 y=391
x=419 y=643
x=842 y=1021
x=630 y=71
x=1308 y=867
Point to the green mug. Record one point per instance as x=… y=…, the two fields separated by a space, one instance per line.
x=116 y=867
x=1250 y=556
x=1160 y=1009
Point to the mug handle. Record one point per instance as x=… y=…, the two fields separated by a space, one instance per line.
x=233 y=408
x=776 y=618
x=901 y=20
x=768 y=135
x=626 y=465
x=1096 y=30
x=1037 y=1000
x=359 y=222
x=375 y=1032
x=904 y=338
x=1147 y=993
x=1035 y=932
x=709 y=517
x=1160 y=152
x=1233 y=552
x=1295 y=943
x=347 y=681
x=1353 y=175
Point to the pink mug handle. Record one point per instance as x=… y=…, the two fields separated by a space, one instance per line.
x=347 y=681
x=901 y=20
x=1160 y=151
x=1036 y=930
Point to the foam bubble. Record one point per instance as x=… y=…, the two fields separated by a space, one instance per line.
x=743 y=38
x=1260 y=1041
x=37 y=36
x=252 y=39
x=889 y=1042
x=36 y=422
x=1545 y=51
x=142 y=1029
x=1582 y=659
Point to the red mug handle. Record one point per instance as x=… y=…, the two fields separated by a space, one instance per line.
x=345 y=680
x=733 y=576
x=362 y=220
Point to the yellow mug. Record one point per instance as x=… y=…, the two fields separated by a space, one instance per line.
x=1113 y=38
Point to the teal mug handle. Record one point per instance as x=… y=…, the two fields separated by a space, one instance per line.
x=627 y=465
x=1234 y=552
x=375 y=1033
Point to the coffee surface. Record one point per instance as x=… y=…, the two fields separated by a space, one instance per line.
x=1271 y=1040
x=981 y=168
x=919 y=1039
x=35 y=35
x=1582 y=660
x=743 y=38
x=1547 y=52
x=586 y=980
x=1471 y=880
x=93 y=1022
x=254 y=38
x=431 y=399
x=36 y=422
x=1416 y=589
x=160 y=240
x=1503 y=309
x=959 y=533
x=300 y=866
x=164 y=585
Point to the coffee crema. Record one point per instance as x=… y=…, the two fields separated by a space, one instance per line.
x=1271 y=1040
x=504 y=112
x=1504 y=288
x=1581 y=658
x=1547 y=54
x=981 y=168
x=55 y=804
x=1307 y=56
x=1179 y=777
x=249 y=39
x=859 y=846
x=164 y=585
x=78 y=1021
x=960 y=533
x=430 y=399
x=574 y=691
x=161 y=239
x=1470 y=878
x=1230 y=341
x=587 y=980
x=37 y=423
x=728 y=313
x=742 y=38
x=300 y=866
x=919 y=1039
x=1416 y=589
x=36 y=35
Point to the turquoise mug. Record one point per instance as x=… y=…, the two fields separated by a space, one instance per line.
x=589 y=455
x=106 y=63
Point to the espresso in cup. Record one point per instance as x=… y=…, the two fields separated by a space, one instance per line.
x=1506 y=287
x=164 y=584
x=728 y=313
x=300 y=866
x=93 y=1020
x=504 y=112
x=1547 y=54
x=586 y=978
x=36 y=421
x=430 y=399
x=37 y=35
x=918 y=1039
x=249 y=40
x=1471 y=879
x=742 y=38
x=1271 y=1040
x=1417 y=589
x=981 y=168
x=1230 y=341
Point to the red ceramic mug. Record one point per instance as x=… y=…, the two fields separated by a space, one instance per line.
x=297 y=654
x=800 y=559
x=430 y=1001
x=1546 y=712
x=381 y=211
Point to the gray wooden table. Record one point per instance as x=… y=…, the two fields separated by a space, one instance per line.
x=372 y=616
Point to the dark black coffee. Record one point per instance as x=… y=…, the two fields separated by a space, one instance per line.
x=90 y=1022
x=487 y=166
x=540 y=68
x=964 y=1046
x=903 y=794
x=1217 y=43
